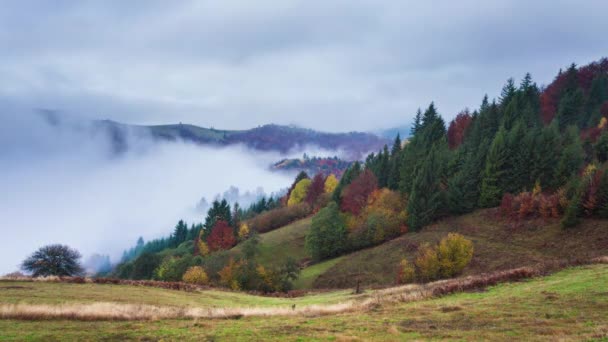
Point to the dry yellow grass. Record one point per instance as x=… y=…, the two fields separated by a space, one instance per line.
x=119 y=311
x=405 y=293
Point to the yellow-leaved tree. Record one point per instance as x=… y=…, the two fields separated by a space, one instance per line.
x=195 y=275
x=299 y=192
x=331 y=182
x=243 y=231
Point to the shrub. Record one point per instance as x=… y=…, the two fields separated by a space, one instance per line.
x=196 y=275
x=277 y=218
x=229 y=275
x=406 y=273
x=454 y=253
x=243 y=231
x=427 y=263
x=447 y=259
x=173 y=268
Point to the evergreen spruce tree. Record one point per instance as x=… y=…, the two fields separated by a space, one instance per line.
x=393 y=176
x=417 y=122
x=572 y=156
x=426 y=200
x=507 y=93
x=492 y=186
x=383 y=168
x=545 y=156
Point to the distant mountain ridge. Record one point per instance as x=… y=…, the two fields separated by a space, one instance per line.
x=271 y=137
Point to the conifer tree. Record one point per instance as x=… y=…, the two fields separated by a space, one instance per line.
x=393 y=176
x=427 y=199
x=572 y=156
x=492 y=186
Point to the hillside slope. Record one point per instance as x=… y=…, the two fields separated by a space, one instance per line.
x=497 y=244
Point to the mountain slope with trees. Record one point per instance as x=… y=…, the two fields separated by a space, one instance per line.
x=537 y=156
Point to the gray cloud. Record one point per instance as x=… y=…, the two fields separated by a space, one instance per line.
x=338 y=65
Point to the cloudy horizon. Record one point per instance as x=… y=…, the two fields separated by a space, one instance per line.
x=336 y=66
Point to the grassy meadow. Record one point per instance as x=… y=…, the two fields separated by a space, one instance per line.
x=568 y=305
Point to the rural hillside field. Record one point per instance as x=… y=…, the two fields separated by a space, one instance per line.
x=374 y=170
x=568 y=305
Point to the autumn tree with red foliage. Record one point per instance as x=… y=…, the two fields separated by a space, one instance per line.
x=221 y=237
x=354 y=197
x=550 y=97
x=316 y=189
x=458 y=128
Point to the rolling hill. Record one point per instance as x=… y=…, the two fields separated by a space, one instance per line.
x=282 y=139
x=497 y=247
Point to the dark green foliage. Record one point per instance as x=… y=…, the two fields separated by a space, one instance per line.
x=53 y=260
x=602 y=195
x=545 y=156
x=570 y=108
x=144 y=266
x=328 y=233
x=349 y=175
x=601 y=148
x=427 y=199
x=395 y=161
x=220 y=210
x=492 y=186
x=180 y=233
x=575 y=207
x=572 y=156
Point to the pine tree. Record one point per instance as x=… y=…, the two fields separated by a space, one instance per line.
x=417 y=123
x=426 y=199
x=393 y=177
x=572 y=156
x=492 y=186
x=507 y=93
x=383 y=168
x=545 y=156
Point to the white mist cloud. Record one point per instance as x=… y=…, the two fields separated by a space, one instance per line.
x=64 y=186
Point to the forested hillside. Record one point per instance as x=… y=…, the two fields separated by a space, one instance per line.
x=536 y=153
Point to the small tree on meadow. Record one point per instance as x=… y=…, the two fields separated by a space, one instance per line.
x=53 y=260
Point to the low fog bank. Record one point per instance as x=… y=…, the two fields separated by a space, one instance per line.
x=65 y=185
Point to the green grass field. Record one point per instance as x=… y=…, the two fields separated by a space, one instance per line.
x=569 y=305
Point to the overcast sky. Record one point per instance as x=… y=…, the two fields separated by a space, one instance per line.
x=332 y=65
